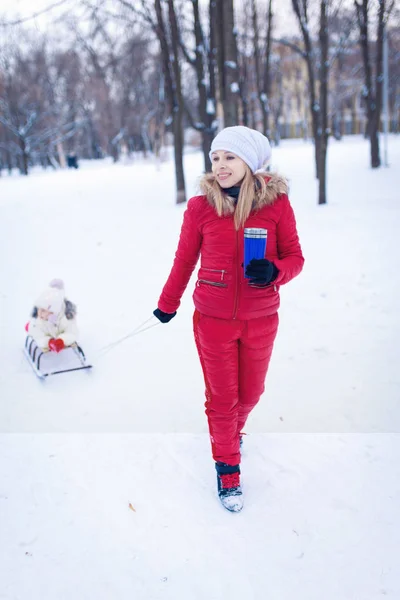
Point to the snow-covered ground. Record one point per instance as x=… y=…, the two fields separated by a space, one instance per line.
x=321 y=470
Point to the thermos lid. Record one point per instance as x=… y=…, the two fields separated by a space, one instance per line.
x=255 y=232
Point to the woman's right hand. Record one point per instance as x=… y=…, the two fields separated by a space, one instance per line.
x=162 y=316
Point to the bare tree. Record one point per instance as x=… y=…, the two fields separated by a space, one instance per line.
x=164 y=24
x=373 y=84
x=34 y=15
x=317 y=61
x=121 y=82
x=263 y=63
x=178 y=105
x=102 y=57
x=167 y=33
x=324 y=130
x=32 y=118
x=301 y=9
x=228 y=77
x=342 y=54
x=204 y=64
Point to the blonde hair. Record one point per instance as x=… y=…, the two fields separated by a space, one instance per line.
x=253 y=192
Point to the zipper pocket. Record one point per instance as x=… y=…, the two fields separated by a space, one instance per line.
x=215 y=283
x=222 y=271
x=263 y=286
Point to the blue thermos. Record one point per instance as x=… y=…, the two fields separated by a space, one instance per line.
x=255 y=243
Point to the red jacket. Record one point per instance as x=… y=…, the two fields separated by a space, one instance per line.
x=221 y=290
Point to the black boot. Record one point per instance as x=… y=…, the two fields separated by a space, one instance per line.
x=229 y=490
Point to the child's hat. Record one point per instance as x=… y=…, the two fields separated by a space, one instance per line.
x=52 y=298
x=248 y=144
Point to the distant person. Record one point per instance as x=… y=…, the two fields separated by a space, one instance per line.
x=53 y=322
x=72 y=161
x=236 y=316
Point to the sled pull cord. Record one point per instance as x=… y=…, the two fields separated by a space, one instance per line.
x=142 y=327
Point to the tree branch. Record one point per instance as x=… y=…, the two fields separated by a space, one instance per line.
x=34 y=15
x=290 y=45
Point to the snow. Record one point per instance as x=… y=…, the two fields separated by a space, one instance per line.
x=210 y=109
x=108 y=489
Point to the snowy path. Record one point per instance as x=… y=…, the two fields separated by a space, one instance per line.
x=320 y=520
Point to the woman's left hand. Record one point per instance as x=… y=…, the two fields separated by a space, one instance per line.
x=261 y=271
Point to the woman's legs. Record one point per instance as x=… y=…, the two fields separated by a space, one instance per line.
x=255 y=349
x=234 y=356
x=218 y=348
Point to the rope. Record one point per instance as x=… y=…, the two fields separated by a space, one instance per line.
x=139 y=329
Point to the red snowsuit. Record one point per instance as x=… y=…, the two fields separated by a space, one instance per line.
x=235 y=322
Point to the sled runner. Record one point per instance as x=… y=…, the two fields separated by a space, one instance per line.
x=56 y=363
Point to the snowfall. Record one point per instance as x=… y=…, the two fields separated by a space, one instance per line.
x=107 y=485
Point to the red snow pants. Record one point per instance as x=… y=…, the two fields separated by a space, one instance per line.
x=234 y=356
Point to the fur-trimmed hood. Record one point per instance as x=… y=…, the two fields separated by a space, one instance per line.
x=276 y=185
x=68 y=310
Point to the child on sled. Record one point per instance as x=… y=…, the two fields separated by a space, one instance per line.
x=53 y=322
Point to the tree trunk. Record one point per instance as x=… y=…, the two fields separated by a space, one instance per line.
x=375 y=151
x=213 y=53
x=373 y=98
x=278 y=109
x=257 y=60
x=267 y=73
x=9 y=162
x=173 y=89
x=159 y=121
x=244 y=97
x=178 y=154
x=263 y=79
x=227 y=61
x=317 y=151
x=24 y=168
x=323 y=92
x=177 y=106
x=374 y=141
x=322 y=175
x=61 y=155
x=302 y=18
x=337 y=117
x=9 y=159
x=206 y=90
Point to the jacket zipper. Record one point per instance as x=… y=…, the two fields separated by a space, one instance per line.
x=222 y=271
x=264 y=286
x=237 y=277
x=211 y=283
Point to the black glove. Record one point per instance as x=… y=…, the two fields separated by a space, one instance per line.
x=261 y=271
x=162 y=316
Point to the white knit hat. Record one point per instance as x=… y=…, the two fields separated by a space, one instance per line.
x=53 y=297
x=248 y=144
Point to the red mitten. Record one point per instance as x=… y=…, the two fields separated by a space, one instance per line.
x=27 y=327
x=56 y=345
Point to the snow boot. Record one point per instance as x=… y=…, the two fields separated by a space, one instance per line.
x=229 y=490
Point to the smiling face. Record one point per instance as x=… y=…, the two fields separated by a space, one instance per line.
x=228 y=168
x=44 y=314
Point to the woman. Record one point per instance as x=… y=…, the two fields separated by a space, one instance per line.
x=236 y=316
